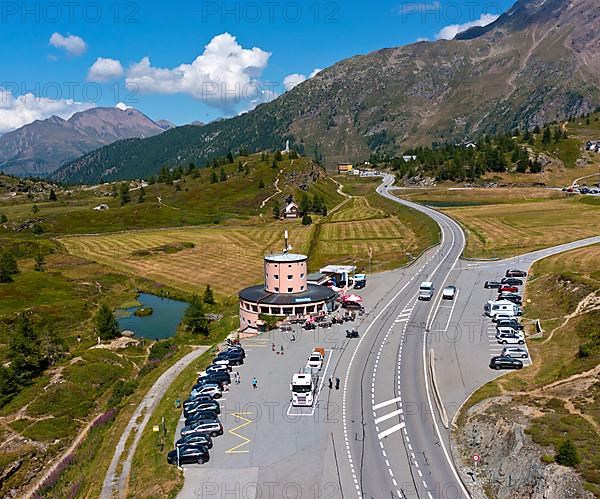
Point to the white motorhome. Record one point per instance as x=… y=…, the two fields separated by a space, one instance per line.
x=304 y=387
x=426 y=291
x=504 y=307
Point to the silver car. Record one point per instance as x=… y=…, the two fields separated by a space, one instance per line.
x=515 y=352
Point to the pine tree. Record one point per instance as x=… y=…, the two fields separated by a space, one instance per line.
x=142 y=196
x=261 y=184
x=567 y=454
x=194 y=318
x=547 y=136
x=209 y=297
x=24 y=350
x=3 y=218
x=107 y=327
x=35 y=208
x=191 y=168
x=39 y=263
x=240 y=167
x=276 y=209
x=213 y=177
x=223 y=175
x=306 y=219
x=124 y=193
x=8 y=265
x=52 y=196
x=230 y=157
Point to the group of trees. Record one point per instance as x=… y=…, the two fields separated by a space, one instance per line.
x=8 y=267
x=29 y=354
x=195 y=318
x=312 y=205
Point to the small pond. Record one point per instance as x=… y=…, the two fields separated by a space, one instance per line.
x=162 y=323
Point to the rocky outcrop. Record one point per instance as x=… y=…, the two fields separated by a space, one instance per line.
x=511 y=464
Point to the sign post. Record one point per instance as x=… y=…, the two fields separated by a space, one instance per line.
x=476 y=458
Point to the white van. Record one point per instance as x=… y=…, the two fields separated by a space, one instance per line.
x=426 y=291
x=504 y=307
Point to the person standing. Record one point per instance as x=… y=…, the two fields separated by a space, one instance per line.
x=237 y=378
x=330 y=383
x=254 y=383
x=337 y=383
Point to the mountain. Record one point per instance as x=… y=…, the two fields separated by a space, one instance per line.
x=41 y=147
x=165 y=124
x=538 y=62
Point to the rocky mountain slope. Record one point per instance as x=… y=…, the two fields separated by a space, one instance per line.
x=39 y=148
x=538 y=62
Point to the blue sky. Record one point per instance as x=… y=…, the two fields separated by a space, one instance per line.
x=49 y=48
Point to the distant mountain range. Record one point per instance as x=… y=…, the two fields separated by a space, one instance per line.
x=41 y=147
x=537 y=63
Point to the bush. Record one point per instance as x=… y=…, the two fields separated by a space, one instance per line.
x=122 y=390
x=567 y=454
x=306 y=220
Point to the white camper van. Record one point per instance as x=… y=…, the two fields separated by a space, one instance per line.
x=504 y=307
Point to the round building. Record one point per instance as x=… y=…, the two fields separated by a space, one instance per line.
x=285 y=292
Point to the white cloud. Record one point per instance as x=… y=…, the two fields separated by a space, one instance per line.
x=73 y=44
x=122 y=106
x=222 y=75
x=422 y=39
x=105 y=70
x=21 y=110
x=294 y=79
x=449 y=32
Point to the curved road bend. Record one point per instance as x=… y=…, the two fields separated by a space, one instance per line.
x=394 y=441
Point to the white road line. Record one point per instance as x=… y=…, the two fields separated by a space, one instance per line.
x=391 y=430
x=388 y=416
x=386 y=403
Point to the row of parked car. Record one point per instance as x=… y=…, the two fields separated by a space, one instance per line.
x=201 y=409
x=505 y=312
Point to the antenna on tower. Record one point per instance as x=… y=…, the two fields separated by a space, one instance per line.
x=287 y=246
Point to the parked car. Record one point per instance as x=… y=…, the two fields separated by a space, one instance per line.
x=221 y=377
x=200 y=416
x=449 y=293
x=512 y=281
x=510 y=339
x=238 y=349
x=229 y=358
x=215 y=368
x=211 y=426
x=191 y=401
x=202 y=406
x=492 y=284
x=513 y=323
x=515 y=352
x=503 y=317
x=516 y=299
x=188 y=454
x=209 y=389
x=508 y=289
x=503 y=362
x=509 y=331
x=360 y=284
x=516 y=273
x=196 y=439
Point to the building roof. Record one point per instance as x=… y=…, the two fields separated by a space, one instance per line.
x=314 y=294
x=338 y=269
x=285 y=257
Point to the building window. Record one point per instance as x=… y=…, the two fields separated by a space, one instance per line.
x=310 y=309
x=254 y=308
x=302 y=288
x=301 y=276
x=290 y=277
x=290 y=290
x=276 y=311
x=275 y=277
x=264 y=310
x=288 y=311
x=276 y=290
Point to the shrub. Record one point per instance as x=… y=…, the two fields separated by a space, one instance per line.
x=567 y=454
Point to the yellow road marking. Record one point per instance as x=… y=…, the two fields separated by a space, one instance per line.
x=233 y=431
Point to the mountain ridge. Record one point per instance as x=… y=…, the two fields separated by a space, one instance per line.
x=537 y=63
x=41 y=147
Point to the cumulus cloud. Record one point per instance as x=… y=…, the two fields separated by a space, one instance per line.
x=449 y=32
x=222 y=75
x=21 y=110
x=294 y=79
x=122 y=106
x=73 y=44
x=105 y=69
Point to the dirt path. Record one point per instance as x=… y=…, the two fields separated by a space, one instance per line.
x=277 y=191
x=577 y=180
x=114 y=482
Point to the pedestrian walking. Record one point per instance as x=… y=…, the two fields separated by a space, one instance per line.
x=337 y=383
x=237 y=378
x=293 y=337
x=254 y=383
x=330 y=383
x=281 y=349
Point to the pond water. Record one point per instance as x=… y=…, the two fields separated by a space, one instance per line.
x=163 y=322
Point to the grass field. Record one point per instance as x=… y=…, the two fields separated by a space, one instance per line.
x=562 y=383
x=227 y=258
x=507 y=222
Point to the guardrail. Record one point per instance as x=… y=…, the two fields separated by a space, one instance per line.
x=436 y=392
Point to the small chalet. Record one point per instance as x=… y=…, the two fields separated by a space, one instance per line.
x=291 y=210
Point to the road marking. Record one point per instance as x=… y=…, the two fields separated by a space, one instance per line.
x=391 y=430
x=246 y=441
x=386 y=403
x=388 y=416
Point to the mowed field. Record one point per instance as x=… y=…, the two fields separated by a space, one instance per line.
x=227 y=258
x=504 y=230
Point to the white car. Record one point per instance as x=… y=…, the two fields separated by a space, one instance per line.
x=449 y=293
x=503 y=317
x=509 y=339
x=509 y=330
x=213 y=390
x=515 y=352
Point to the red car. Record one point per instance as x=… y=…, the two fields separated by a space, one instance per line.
x=508 y=289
